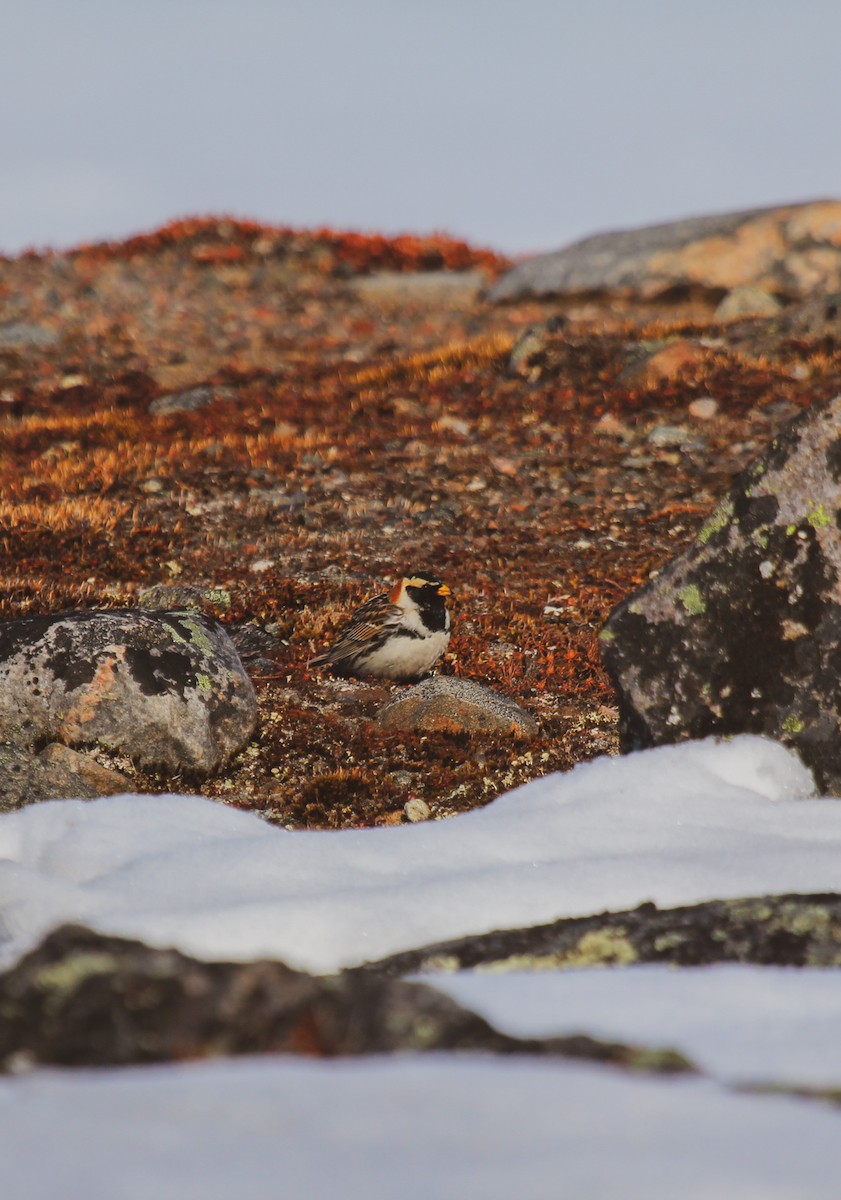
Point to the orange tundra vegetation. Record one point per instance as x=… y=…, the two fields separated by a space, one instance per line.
x=344 y=436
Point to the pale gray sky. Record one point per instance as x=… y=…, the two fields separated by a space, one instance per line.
x=520 y=124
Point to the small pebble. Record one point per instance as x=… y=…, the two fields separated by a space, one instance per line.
x=704 y=408
x=668 y=435
x=417 y=810
x=401 y=779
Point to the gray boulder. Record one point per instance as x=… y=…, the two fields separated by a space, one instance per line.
x=791 y=249
x=742 y=633
x=165 y=688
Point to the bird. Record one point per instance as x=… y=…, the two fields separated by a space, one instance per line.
x=397 y=635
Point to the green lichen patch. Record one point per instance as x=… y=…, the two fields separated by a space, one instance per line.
x=69 y=973
x=196 y=635
x=818 y=517
x=718 y=520
x=692 y=600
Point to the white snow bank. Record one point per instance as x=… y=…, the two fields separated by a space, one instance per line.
x=743 y=1024
x=674 y=825
x=446 y=1127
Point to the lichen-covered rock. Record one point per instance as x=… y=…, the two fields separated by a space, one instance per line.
x=166 y=689
x=742 y=634
x=451 y=705
x=82 y=998
x=790 y=250
x=787 y=931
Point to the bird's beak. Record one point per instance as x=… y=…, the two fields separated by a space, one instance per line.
x=444 y=590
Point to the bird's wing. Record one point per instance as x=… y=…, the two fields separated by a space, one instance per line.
x=373 y=618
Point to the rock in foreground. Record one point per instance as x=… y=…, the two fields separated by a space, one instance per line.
x=742 y=634
x=786 y=931
x=167 y=689
x=82 y=998
x=791 y=250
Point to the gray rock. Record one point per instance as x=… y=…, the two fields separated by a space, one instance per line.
x=190 y=400
x=742 y=633
x=22 y=335
x=166 y=689
x=448 y=704
x=792 y=249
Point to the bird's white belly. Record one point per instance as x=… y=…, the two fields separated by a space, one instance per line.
x=407 y=657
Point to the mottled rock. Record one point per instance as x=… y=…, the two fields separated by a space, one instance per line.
x=789 y=931
x=57 y=773
x=747 y=302
x=791 y=250
x=178 y=596
x=742 y=633
x=448 y=704
x=82 y=998
x=166 y=689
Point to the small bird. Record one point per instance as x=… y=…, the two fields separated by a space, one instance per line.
x=397 y=635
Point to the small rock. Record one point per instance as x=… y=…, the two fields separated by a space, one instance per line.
x=166 y=689
x=663 y=364
x=417 y=810
x=401 y=779
x=747 y=302
x=88 y=778
x=57 y=773
x=190 y=400
x=20 y=335
x=669 y=435
x=448 y=704
x=449 y=423
x=704 y=408
x=173 y=597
